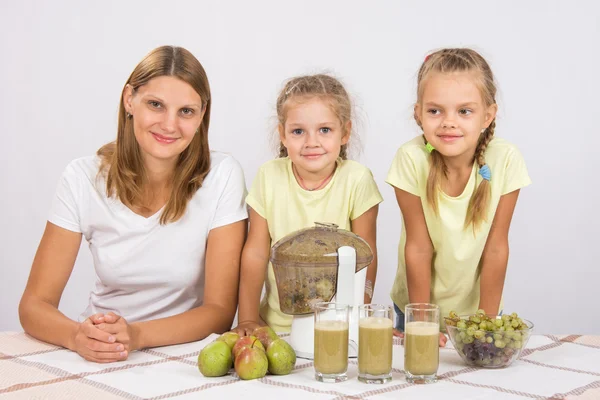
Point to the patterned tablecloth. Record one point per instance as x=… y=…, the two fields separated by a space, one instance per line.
x=551 y=367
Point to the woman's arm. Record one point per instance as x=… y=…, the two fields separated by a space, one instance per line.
x=38 y=310
x=494 y=259
x=255 y=259
x=215 y=315
x=365 y=226
x=418 y=250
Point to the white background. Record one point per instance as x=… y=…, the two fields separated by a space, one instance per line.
x=64 y=63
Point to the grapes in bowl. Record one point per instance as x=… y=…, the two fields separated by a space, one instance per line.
x=488 y=342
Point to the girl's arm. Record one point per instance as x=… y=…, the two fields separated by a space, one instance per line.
x=495 y=255
x=365 y=226
x=215 y=315
x=38 y=309
x=255 y=259
x=418 y=250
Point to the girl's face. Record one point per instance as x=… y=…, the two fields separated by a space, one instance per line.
x=313 y=134
x=452 y=113
x=166 y=115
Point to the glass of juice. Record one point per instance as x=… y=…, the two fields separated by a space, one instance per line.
x=421 y=342
x=375 y=343
x=331 y=341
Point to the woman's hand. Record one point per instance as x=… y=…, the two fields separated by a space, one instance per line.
x=94 y=344
x=119 y=329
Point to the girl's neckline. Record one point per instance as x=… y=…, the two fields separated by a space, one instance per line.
x=472 y=178
x=323 y=185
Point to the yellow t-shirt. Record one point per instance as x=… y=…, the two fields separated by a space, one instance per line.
x=277 y=197
x=457 y=251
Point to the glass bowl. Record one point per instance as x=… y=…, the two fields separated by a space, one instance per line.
x=489 y=349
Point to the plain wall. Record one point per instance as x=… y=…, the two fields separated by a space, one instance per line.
x=64 y=63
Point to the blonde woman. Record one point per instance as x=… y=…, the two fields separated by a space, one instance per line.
x=164 y=218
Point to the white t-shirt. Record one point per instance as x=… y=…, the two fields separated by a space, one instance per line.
x=145 y=270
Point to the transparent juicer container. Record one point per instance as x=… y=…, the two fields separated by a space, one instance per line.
x=305 y=263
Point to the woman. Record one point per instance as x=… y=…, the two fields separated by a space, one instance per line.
x=164 y=217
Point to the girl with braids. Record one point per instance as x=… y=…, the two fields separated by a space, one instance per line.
x=311 y=181
x=457 y=187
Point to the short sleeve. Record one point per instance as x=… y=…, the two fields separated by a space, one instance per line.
x=65 y=211
x=231 y=207
x=403 y=172
x=366 y=195
x=256 y=197
x=515 y=175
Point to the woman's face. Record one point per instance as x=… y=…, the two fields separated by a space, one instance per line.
x=166 y=114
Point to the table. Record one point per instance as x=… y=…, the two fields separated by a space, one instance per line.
x=551 y=367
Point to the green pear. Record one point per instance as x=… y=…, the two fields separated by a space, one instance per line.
x=251 y=362
x=266 y=335
x=230 y=338
x=215 y=359
x=281 y=356
x=245 y=341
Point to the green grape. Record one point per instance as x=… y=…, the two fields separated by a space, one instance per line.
x=498 y=323
x=461 y=324
x=514 y=315
x=517 y=344
x=462 y=335
x=453 y=315
x=505 y=317
x=470 y=331
x=499 y=344
x=474 y=318
x=514 y=323
x=489 y=339
x=517 y=336
x=498 y=336
x=480 y=313
x=479 y=334
x=483 y=325
x=468 y=340
x=510 y=345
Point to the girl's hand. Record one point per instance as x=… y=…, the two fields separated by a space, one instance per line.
x=122 y=331
x=246 y=328
x=443 y=338
x=95 y=345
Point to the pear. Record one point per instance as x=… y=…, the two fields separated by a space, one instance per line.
x=281 y=356
x=230 y=338
x=245 y=341
x=215 y=359
x=251 y=362
x=266 y=335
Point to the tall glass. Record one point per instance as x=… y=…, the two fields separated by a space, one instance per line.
x=375 y=343
x=421 y=342
x=331 y=341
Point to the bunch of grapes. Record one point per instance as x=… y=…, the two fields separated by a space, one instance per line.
x=485 y=341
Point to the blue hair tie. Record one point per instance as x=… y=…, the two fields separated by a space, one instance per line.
x=485 y=172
